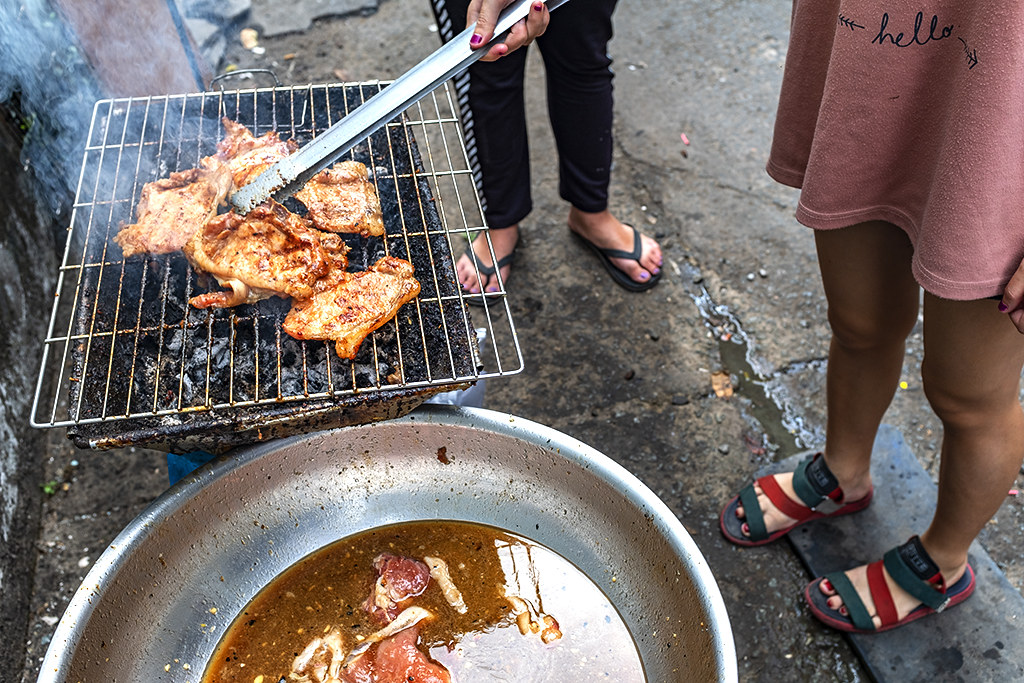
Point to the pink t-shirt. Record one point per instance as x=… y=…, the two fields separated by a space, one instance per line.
x=911 y=113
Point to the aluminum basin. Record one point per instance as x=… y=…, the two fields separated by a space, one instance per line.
x=158 y=600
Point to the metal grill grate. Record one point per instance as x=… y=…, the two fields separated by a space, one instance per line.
x=123 y=343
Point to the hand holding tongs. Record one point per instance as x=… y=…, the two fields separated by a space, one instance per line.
x=292 y=172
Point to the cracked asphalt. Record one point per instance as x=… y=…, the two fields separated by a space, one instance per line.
x=628 y=374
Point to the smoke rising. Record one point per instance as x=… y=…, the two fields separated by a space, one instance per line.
x=48 y=85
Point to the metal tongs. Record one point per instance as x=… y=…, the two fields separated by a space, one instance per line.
x=292 y=172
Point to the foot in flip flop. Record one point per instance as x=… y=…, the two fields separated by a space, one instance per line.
x=475 y=268
x=632 y=259
x=774 y=505
x=902 y=587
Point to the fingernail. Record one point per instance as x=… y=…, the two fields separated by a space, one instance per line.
x=1003 y=307
x=475 y=40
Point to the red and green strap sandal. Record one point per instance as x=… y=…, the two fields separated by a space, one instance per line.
x=912 y=569
x=813 y=483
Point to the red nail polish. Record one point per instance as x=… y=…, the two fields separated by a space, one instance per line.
x=475 y=40
x=1003 y=307
x=538 y=6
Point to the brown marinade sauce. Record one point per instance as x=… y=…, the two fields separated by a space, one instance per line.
x=326 y=589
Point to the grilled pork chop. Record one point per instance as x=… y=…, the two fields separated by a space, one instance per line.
x=347 y=307
x=171 y=210
x=270 y=251
x=342 y=199
x=246 y=156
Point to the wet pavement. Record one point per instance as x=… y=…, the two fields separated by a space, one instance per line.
x=630 y=374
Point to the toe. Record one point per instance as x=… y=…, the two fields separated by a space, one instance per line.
x=473 y=280
x=466 y=273
x=651 y=258
x=639 y=275
x=633 y=270
x=491 y=283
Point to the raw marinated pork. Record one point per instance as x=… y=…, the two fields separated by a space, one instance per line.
x=321 y=661
x=399 y=660
x=396 y=659
x=399 y=578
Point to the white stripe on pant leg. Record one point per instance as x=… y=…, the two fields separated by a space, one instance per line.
x=461 y=84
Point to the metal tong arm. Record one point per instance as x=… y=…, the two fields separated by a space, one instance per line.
x=292 y=172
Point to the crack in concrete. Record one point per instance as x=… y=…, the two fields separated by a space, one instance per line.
x=768 y=403
x=639 y=166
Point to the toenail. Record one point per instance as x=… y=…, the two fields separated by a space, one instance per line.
x=845 y=612
x=827 y=585
x=644 y=275
x=745 y=527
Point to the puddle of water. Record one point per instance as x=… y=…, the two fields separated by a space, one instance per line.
x=766 y=398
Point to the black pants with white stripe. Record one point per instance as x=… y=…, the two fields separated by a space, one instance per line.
x=579 y=95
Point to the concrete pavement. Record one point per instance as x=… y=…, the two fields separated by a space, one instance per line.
x=628 y=374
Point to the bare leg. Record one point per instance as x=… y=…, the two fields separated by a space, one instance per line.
x=972 y=379
x=872 y=307
x=607 y=232
x=504 y=242
x=972 y=369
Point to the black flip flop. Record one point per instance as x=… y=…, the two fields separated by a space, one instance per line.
x=488 y=271
x=606 y=256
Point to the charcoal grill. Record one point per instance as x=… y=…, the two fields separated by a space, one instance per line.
x=126 y=360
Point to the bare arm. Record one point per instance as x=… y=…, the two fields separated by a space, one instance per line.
x=485 y=14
